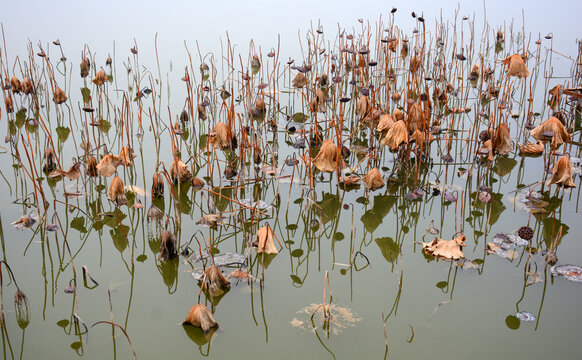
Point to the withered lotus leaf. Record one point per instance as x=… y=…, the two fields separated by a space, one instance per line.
x=154 y=214
x=562 y=173
x=50 y=160
x=212 y=220
x=327 y=158
x=200 y=316
x=85 y=65
x=299 y=81
x=415 y=64
x=100 y=78
x=108 y=165
x=475 y=70
x=397 y=114
x=15 y=84
x=502 y=144
x=374 y=180
x=126 y=156
x=392 y=45
x=516 y=66
x=168 y=248
x=555 y=93
x=221 y=136
x=385 y=123
x=416 y=117
x=419 y=137
x=9 y=104
x=197 y=183
x=532 y=148
x=26 y=86
x=551 y=129
x=265 y=239
x=397 y=135
x=445 y=249
x=179 y=172
x=116 y=192
x=202 y=112
x=59 y=96
x=74 y=171
x=157 y=185
x=215 y=281
x=92 y=166
x=239 y=275
x=349 y=180
x=363 y=107
x=487 y=149
x=317 y=104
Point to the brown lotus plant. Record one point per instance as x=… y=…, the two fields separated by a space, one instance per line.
x=168 y=248
x=214 y=281
x=221 y=136
x=363 y=107
x=9 y=104
x=59 y=96
x=374 y=180
x=50 y=160
x=197 y=183
x=475 y=71
x=487 y=149
x=85 y=66
x=502 y=142
x=117 y=192
x=551 y=129
x=446 y=249
x=92 y=166
x=385 y=123
x=532 y=148
x=239 y=275
x=100 y=78
x=396 y=136
x=416 y=117
x=562 y=173
x=555 y=93
x=419 y=137
x=397 y=114
x=299 y=81
x=349 y=180
x=179 y=171
x=200 y=316
x=515 y=66
x=327 y=159
x=108 y=165
x=157 y=185
x=317 y=104
x=126 y=156
x=265 y=241
x=202 y=112
x=15 y=85
x=73 y=173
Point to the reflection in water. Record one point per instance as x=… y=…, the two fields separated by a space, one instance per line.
x=230 y=139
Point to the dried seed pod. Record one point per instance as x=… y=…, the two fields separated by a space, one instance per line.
x=26 y=86
x=202 y=112
x=22 y=308
x=184 y=117
x=526 y=233
x=9 y=104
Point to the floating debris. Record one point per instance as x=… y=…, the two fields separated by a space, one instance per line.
x=570 y=272
x=525 y=316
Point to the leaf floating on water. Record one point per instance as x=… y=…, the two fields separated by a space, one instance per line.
x=211 y=220
x=446 y=249
x=570 y=272
x=240 y=275
x=338 y=318
x=26 y=221
x=261 y=205
x=200 y=316
x=525 y=316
